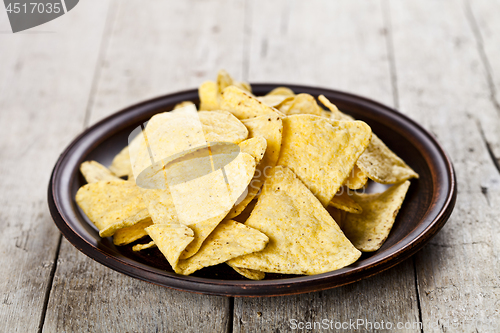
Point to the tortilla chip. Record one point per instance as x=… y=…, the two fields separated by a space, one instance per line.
x=130 y=234
x=301 y=104
x=244 y=106
x=112 y=205
x=229 y=240
x=382 y=165
x=357 y=178
x=182 y=104
x=378 y=162
x=251 y=274
x=336 y=214
x=94 y=172
x=121 y=164
x=209 y=96
x=274 y=100
x=225 y=80
x=281 y=91
x=171 y=240
x=140 y=247
x=255 y=147
x=222 y=126
x=303 y=237
x=270 y=128
x=322 y=152
x=369 y=230
x=343 y=201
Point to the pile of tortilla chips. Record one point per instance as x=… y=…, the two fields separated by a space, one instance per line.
x=272 y=184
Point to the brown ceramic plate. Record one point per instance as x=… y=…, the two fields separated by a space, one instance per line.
x=426 y=209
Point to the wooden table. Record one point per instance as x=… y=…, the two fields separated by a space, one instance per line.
x=437 y=62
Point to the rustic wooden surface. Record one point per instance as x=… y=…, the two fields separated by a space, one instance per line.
x=436 y=61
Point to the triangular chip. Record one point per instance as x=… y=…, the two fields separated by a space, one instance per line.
x=130 y=234
x=369 y=230
x=255 y=147
x=378 y=162
x=303 y=237
x=182 y=105
x=301 y=104
x=140 y=247
x=357 y=178
x=382 y=165
x=251 y=274
x=94 y=172
x=243 y=105
x=274 y=100
x=171 y=240
x=322 y=152
x=229 y=240
x=283 y=91
x=209 y=96
x=112 y=205
x=342 y=200
x=222 y=126
x=121 y=164
x=269 y=127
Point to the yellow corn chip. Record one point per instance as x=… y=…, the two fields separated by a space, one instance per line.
x=222 y=126
x=369 y=230
x=378 y=162
x=244 y=106
x=322 y=152
x=284 y=91
x=269 y=127
x=94 y=172
x=342 y=200
x=130 y=234
x=140 y=247
x=255 y=147
x=336 y=214
x=303 y=237
x=251 y=274
x=112 y=205
x=182 y=104
x=209 y=96
x=121 y=164
x=357 y=178
x=274 y=100
x=301 y=104
x=229 y=240
x=171 y=240
x=382 y=165
x=225 y=80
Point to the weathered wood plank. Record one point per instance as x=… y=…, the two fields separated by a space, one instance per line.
x=45 y=79
x=442 y=84
x=341 y=45
x=172 y=46
x=483 y=20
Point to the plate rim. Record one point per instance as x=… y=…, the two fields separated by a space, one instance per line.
x=263 y=288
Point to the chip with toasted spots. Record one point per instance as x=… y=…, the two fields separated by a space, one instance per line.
x=342 y=200
x=112 y=205
x=369 y=230
x=301 y=104
x=130 y=234
x=303 y=237
x=322 y=152
x=94 y=172
x=244 y=105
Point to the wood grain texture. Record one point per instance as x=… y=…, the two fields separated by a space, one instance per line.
x=174 y=46
x=89 y=297
x=317 y=43
x=45 y=79
x=442 y=84
x=483 y=21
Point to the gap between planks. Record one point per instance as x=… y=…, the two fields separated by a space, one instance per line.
x=102 y=48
